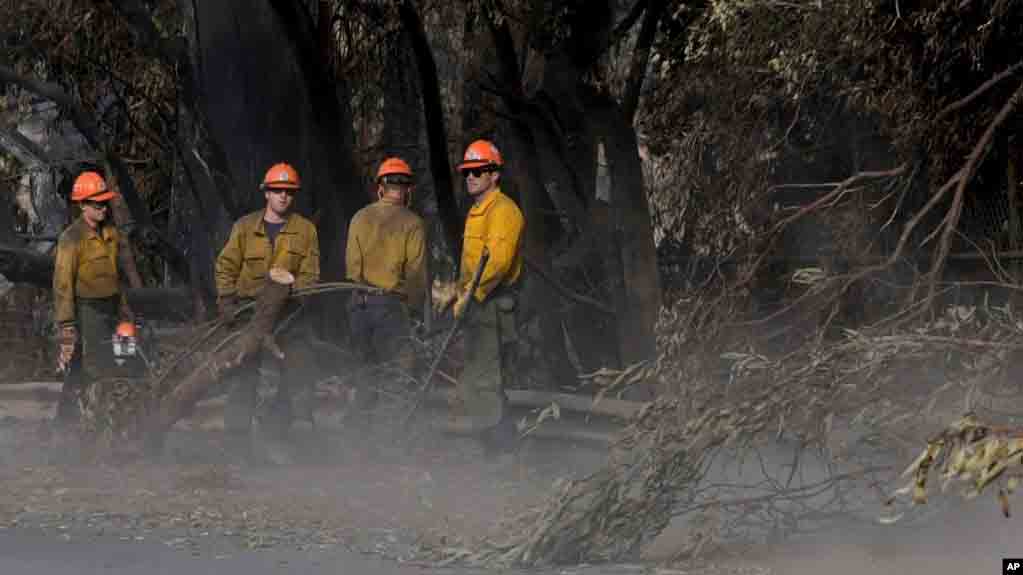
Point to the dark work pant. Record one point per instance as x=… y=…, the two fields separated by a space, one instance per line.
x=380 y=328
x=490 y=339
x=95 y=320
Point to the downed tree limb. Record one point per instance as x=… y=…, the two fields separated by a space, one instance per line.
x=229 y=355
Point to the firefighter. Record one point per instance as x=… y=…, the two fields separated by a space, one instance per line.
x=87 y=301
x=494 y=222
x=272 y=237
x=386 y=249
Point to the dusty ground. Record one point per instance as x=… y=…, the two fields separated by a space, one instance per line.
x=353 y=489
x=370 y=500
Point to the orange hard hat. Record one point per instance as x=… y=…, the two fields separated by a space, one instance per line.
x=481 y=153
x=91 y=186
x=281 y=177
x=126 y=329
x=395 y=167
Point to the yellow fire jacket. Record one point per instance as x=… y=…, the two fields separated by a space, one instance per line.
x=242 y=265
x=496 y=223
x=387 y=249
x=85 y=267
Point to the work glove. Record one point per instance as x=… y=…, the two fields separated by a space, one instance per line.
x=443 y=294
x=67 y=337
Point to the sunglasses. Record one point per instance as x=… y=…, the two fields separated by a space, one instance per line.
x=96 y=205
x=281 y=191
x=477 y=172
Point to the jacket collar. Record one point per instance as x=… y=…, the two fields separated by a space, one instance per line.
x=482 y=207
x=105 y=231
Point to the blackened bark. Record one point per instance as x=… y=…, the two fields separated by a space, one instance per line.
x=270 y=98
x=641 y=57
x=26 y=266
x=7 y=217
x=523 y=172
x=437 y=135
x=640 y=305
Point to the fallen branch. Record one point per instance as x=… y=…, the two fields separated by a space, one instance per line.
x=179 y=402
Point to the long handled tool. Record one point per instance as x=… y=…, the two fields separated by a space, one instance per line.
x=459 y=321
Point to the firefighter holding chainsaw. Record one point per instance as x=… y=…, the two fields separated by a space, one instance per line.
x=493 y=225
x=273 y=237
x=386 y=249
x=87 y=294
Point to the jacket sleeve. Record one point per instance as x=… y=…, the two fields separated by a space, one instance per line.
x=353 y=251
x=229 y=264
x=415 y=266
x=64 y=270
x=503 y=239
x=309 y=270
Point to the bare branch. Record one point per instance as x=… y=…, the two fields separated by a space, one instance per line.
x=965 y=175
x=962 y=103
x=548 y=277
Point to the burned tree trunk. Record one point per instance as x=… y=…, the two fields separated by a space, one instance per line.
x=26 y=266
x=440 y=168
x=257 y=334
